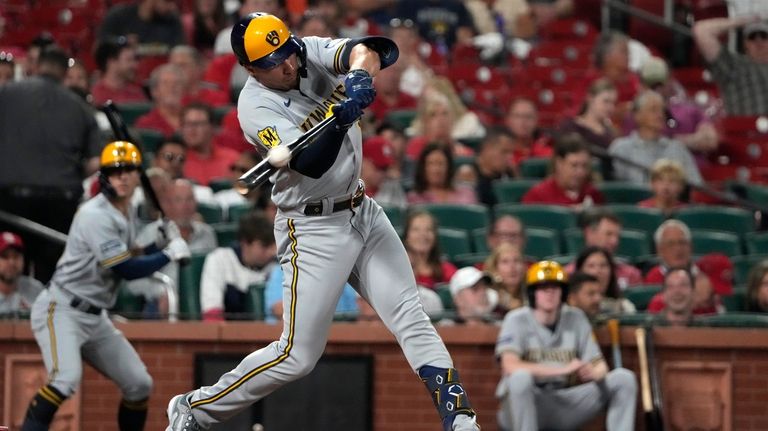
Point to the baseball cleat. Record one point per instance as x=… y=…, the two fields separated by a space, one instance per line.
x=180 y=417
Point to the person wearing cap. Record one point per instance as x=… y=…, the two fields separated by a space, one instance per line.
x=472 y=296
x=380 y=183
x=17 y=292
x=554 y=375
x=742 y=78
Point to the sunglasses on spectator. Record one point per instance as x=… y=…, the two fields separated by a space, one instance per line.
x=171 y=158
x=762 y=35
x=239 y=169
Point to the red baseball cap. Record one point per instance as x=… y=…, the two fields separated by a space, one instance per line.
x=10 y=239
x=378 y=151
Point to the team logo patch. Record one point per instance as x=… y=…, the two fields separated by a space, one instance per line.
x=273 y=38
x=269 y=137
x=109 y=246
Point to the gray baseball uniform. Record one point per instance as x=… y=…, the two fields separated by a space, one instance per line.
x=320 y=252
x=528 y=403
x=68 y=319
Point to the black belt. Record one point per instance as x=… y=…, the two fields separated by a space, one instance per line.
x=81 y=305
x=355 y=201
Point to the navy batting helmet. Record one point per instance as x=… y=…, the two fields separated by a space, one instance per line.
x=264 y=41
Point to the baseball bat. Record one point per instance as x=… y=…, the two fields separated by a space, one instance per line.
x=652 y=422
x=653 y=371
x=613 y=330
x=259 y=174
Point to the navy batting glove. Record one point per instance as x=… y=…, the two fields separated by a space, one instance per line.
x=358 y=86
x=347 y=112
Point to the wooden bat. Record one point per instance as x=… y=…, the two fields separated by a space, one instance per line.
x=658 y=401
x=613 y=330
x=652 y=420
x=259 y=174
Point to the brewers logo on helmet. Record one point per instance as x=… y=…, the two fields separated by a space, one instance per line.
x=545 y=273
x=264 y=41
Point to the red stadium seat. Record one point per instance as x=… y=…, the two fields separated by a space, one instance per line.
x=748 y=125
x=573 y=29
x=562 y=52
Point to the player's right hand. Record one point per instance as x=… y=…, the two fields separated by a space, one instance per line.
x=177 y=250
x=347 y=112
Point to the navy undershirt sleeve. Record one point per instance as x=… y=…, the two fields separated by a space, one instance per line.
x=318 y=157
x=141 y=266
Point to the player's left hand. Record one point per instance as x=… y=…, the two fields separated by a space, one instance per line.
x=347 y=112
x=586 y=372
x=358 y=85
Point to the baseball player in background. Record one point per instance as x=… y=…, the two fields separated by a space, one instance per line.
x=553 y=373
x=327 y=231
x=69 y=318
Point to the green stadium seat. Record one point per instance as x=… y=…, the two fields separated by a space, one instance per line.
x=620 y=192
x=453 y=242
x=634 y=217
x=633 y=243
x=189 y=288
x=511 y=191
x=636 y=319
x=132 y=111
x=562 y=259
x=444 y=291
x=574 y=240
x=226 y=233
x=755 y=193
x=473 y=143
x=234 y=212
x=396 y=216
x=721 y=218
x=220 y=184
x=128 y=304
x=467 y=217
x=736 y=301
x=554 y=217
x=734 y=319
x=541 y=242
x=211 y=212
x=469 y=259
x=743 y=264
x=641 y=295
x=710 y=241
x=479 y=240
x=535 y=167
x=254 y=304
x=757 y=243
x=401 y=118
x=150 y=140
x=463 y=160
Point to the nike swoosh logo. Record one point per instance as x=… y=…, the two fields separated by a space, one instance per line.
x=328 y=45
x=287 y=103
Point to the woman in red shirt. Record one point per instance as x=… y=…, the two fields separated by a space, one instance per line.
x=424 y=252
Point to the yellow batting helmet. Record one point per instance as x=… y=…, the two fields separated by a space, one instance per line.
x=120 y=154
x=263 y=40
x=546 y=272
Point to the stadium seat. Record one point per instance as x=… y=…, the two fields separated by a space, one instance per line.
x=574 y=240
x=128 y=304
x=729 y=219
x=641 y=295
x=132 y=111
x=535 y=167
x=636 y=319
x=757 y=243
x=562 y=259
x=743 y=264
x=540 y=243
x=755 y=193
x=744 y=125
x=469 y=259
x=444 y=291
x=712 y=241
x=211 y=212
x=150 y=139
x=396 y=216
x=220 y=184
x=189 y=288
x=619 y=192
x=554 y=217
x=734 y=319
x=634 y=217
x=467 y=217
x=736 y=301
x=511 y=191
x=254 y=304
x=453 y=242
x=633 y=243
x=402 y=118
x=479 y=242
x=226 y=233
x=234 y=212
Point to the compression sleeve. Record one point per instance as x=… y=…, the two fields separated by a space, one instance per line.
x=317 y=158
x=141 y=266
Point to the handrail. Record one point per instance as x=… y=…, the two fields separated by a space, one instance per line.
x=667 y=21
x=33 y=227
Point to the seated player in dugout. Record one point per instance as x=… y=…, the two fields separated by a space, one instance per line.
x=69 y=319
x=327 y=231
x=554 y=375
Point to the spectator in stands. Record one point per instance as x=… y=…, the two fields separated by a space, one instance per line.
x=314 y=22
x=706 y=300
x=171 y=156
x=506 y=267
x=434 y=180
x=742 y=79
x=17 y=292
x=32 y=57
x=49 y=141
x=165 y=85
x=442 y=23
x=180 y=208
x=203 y=23
x=153 y=24
x=569 y=183
x=636 y=153
x=594 y=121
x=546 y=11
x=586 y=294
x=466 y=124
x=490 y=164
x=421 y=243
x=554 y=375
x=599 y=262
x=668 y=184
x=528 y=140
x=433 y=124
x=757 y=288
x=77 y=79
x=397 y=143
x=611 y=61
x=473 y=297
x=380 y=183
x=601 y=228
x=416 y=70
x=205 y=160
x=230 y=196
x=673 y=246
x=223 y=45
x=7 y=67
x=116 y=60
x=229 y=271
x=678 y=294
x=189 y=61
x=506 y=228
x=686 y=121
x=389 y=97
x=511 y=18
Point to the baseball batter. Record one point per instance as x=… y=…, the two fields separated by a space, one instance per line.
x=327 y=231
x=554 y=375
x=68 y=319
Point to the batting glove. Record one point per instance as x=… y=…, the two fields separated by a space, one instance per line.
x=358 y=85
x=347 y=112
x=177 y=250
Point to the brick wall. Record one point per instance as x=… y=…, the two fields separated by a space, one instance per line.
x=400 y=400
